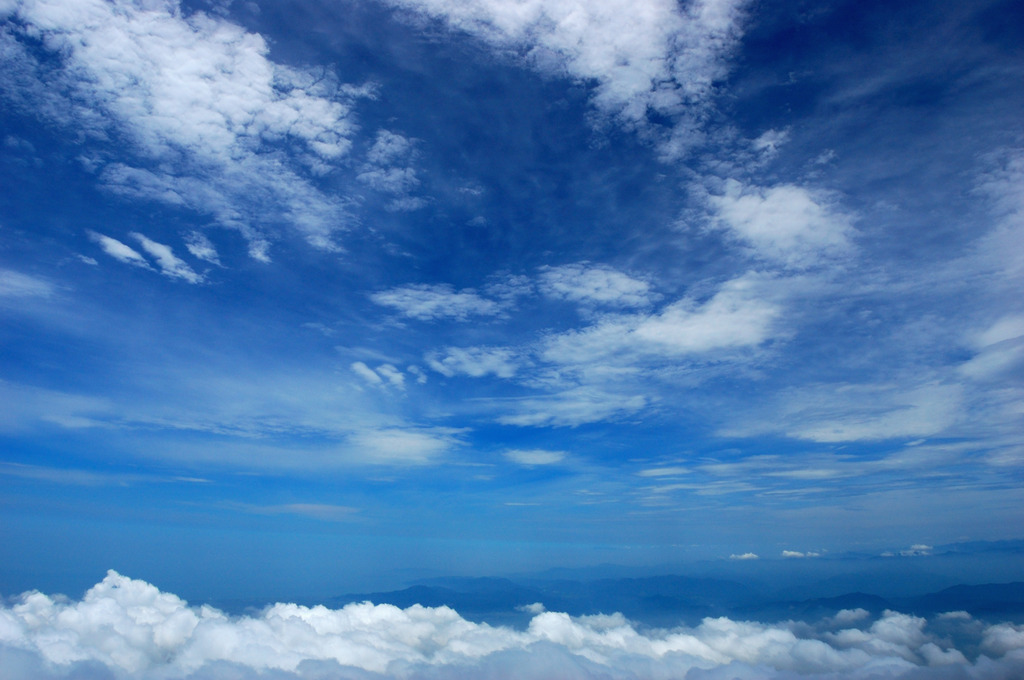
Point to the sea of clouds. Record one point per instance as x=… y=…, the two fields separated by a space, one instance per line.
x=126 y=628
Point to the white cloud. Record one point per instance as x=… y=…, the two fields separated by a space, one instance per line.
x=532 y=457
x=672 y=471
x=1007 y=328
x=392 y=375
x=401 y=445
x=322 y=511
x=917 y=550
x=119 y=251
x=388 y=171
x=744 y=556
x=997 y=252
x=739 y=314
x=26 y=406
x=201 y=247
x=786 y=224
x=129 y=628
x=390 y=180
x=1004 y=638
x=17 y=285
x=796 y=554
x=475 y=362
x=656 y=55
x=845 y=617
x=73 y=477
x=770 y=141
x=429 y=302
x=169 y=264
x=388 y=148
x=594 y=284
x=377 y=377
x=366 y=373
x=199 y=95
x=572 y=407
x=1000 y=350
x=851 y=412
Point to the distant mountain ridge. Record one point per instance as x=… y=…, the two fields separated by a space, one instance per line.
x=678 y=600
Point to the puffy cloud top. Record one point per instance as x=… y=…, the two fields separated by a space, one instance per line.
x=127 y=628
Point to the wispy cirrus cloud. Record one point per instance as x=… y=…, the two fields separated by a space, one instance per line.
x=860 y=412
x=999 y=350
x=119 y=251
x=326 y=512
x=569 y=407
x=14 y=284
x=201 y=247
x=382 y=375
x=170 y=264
x=401 y=445
x=534 y=457
x=167 y=263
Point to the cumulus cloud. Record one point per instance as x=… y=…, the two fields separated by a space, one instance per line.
x=785 y=224
x=126 y=628
x=474 y=361
x=658 y=56
x=738 y=315
x=429 y=302
x=744 y=556
x=196 y=98
x=594 y=284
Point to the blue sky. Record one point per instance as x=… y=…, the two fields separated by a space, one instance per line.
x=297 y=294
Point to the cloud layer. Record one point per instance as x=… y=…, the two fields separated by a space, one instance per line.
x=127 y=628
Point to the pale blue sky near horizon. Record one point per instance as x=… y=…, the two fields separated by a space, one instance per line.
x=304 y=293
